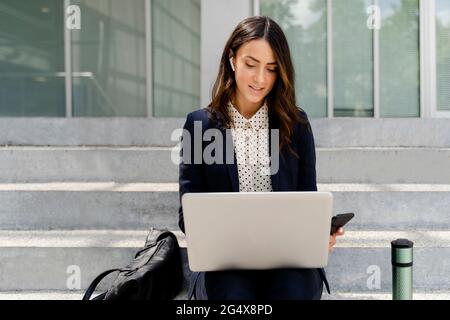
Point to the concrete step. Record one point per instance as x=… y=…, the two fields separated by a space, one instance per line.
x=417 y=295
x=67 y=164
x=123 y=131
x=88 y=206
x=44 y=206
x=58 y=295
x=43 y=295
x=351 y=132
x=53 y=260
x=154 y=164
x=383 y=165
x=96 y=131
x=78 y=295
x=62 y=260
x=361 y=255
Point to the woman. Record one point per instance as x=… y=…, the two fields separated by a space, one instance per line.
x=253 y=94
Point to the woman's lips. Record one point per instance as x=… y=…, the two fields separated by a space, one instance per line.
x=256 y=89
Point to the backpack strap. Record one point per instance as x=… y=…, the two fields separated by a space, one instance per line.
x=96 y=281
x=155 y=235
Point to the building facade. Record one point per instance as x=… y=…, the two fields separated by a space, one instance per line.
x=158 y=58
x=92 y=91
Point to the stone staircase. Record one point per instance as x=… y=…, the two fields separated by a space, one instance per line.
x=72 y=208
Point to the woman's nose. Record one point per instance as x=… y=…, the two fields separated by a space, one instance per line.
x=259 y=77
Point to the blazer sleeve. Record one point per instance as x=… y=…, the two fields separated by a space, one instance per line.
x=307 y=180
x=190 y=174
x=307 y=170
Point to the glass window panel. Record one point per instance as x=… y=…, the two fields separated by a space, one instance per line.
x=443 y=54
x=32 y=58
x=176 y=57
x=108 y=59
x=353 y=59
x=305 y=25
x=399 y=58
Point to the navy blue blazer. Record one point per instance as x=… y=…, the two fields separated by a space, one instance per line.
x=294 y=174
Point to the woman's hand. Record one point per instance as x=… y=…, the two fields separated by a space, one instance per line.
x=332 y=242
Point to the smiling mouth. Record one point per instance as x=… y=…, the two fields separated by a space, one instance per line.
x=257 y=89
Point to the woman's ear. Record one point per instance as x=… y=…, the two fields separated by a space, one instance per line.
x=232 y=64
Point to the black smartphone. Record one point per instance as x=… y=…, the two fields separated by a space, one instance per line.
x=339 y=221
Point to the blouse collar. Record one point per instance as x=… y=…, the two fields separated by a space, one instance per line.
x=260 y=120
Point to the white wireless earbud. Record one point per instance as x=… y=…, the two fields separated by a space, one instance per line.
x=232 y=65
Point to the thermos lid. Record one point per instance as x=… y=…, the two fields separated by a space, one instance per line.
x=402 y=244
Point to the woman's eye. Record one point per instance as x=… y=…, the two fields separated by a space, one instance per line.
x=252 y=66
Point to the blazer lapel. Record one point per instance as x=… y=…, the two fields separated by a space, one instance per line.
x=234 y=176
x=232 y=168
x=274 y=124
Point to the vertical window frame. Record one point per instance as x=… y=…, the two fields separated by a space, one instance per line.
x=256 y=8
x=430 y=61
x=149 y=58
x=376 y=68
x=67 y=62
x=428 y=79
x=330 y=61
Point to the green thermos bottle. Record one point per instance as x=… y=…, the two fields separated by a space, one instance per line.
x=402 y=269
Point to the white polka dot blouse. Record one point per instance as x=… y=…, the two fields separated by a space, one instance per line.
x=251 y=145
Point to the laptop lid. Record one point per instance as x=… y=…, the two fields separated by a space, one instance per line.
x=257 y=230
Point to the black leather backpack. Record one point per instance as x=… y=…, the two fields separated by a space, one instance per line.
x=154 y=274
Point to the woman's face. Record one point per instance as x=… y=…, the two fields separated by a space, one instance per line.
x=255 y=74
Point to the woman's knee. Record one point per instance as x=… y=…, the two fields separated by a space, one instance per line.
x=229 y=285
x=294 y=284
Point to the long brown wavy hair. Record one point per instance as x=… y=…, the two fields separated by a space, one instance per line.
x=281 y=99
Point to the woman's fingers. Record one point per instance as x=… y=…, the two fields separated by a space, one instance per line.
x=339 y=232
x=333 y=240
x=331 y=243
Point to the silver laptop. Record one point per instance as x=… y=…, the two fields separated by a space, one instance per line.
x=257 y=230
